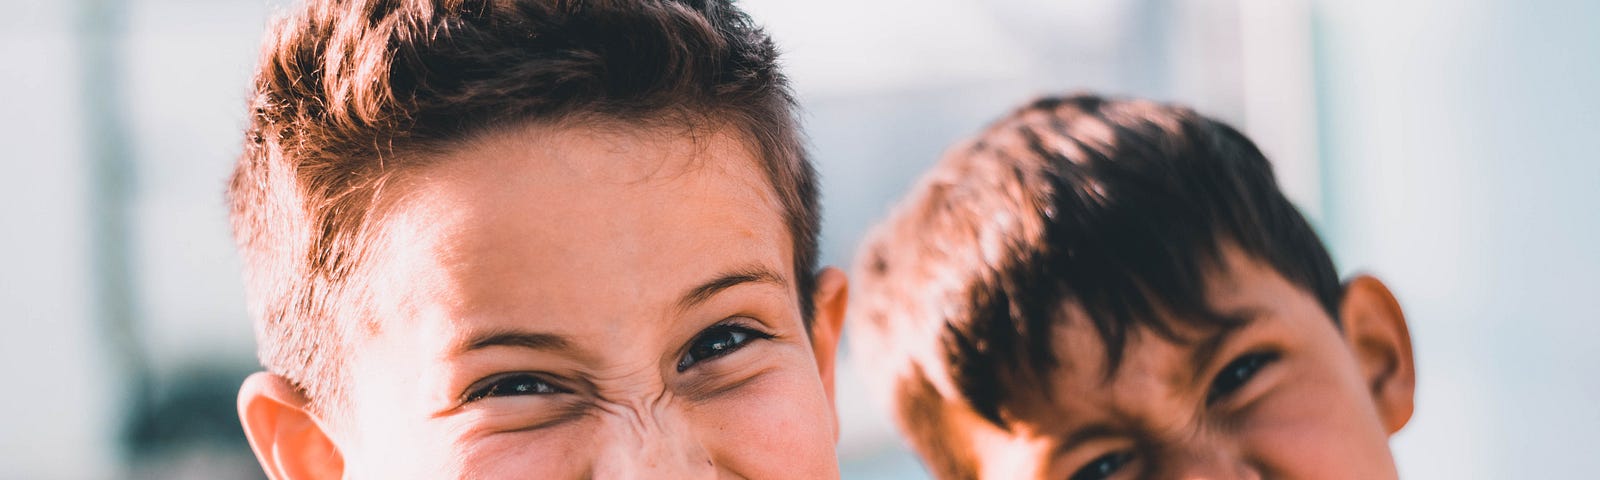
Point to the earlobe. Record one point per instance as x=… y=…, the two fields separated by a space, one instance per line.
x=1375 y=328
x=831 y=298
x=286 y=437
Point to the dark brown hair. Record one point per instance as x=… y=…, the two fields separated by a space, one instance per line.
x=344 y=87
x=1119 y=207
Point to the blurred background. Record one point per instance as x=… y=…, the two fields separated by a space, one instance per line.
x=1446 y=145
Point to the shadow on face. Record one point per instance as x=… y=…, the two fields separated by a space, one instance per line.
x=1285 y=393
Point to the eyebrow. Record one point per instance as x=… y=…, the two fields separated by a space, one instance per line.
x=753 y=273
x=557 y=343
x=1082 y=435
x=513 y=338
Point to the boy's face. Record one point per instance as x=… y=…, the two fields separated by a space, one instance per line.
x=590 y=303
x=1286 y=395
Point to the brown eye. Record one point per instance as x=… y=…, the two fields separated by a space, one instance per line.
x=514 y=385
x=717 y=341
x=1238 y=373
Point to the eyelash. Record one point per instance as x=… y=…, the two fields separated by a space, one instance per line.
x=1103 y=466
x=1238 y=373
x=739 y=334
x=514 y=384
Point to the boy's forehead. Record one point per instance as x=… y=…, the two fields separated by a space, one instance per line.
x=1085 y=358
x=1086 y=387
x=524 y=220
x=596 y=152
x=1229 y=297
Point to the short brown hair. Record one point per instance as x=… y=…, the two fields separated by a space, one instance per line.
x=343 y=85
x=1116 y=206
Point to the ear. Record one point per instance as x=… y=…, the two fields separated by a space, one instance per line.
x=830 y=299
x=1376 y=331
x=286 y=437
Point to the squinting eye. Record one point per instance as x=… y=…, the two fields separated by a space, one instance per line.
x=1103 y=467
x=715 y=342
x=1237 y=373
x=513 y=385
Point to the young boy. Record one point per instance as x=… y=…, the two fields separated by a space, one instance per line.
x=1096 y=288
x=532 y=239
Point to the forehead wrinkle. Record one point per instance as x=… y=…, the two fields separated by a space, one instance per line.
x=1159 y=371
x=1192 y=326
x=1200 y=327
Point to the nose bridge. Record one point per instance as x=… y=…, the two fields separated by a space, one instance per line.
x=1205 y=456
x=649 y=438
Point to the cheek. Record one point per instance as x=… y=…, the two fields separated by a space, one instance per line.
x=1320 y=425
x=780 y=426
x=563 y=451
x=399 y=447
x=390 y=437
x=399 y=440
x=404 y=447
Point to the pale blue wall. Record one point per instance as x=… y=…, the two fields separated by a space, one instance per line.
x=1460 y=157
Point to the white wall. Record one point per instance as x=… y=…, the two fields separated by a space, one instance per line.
x=58 y=397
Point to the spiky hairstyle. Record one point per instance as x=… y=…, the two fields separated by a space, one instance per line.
x=349 y=92
x=1119 y=207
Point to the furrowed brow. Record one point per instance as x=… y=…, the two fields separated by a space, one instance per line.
x=1205 y=351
